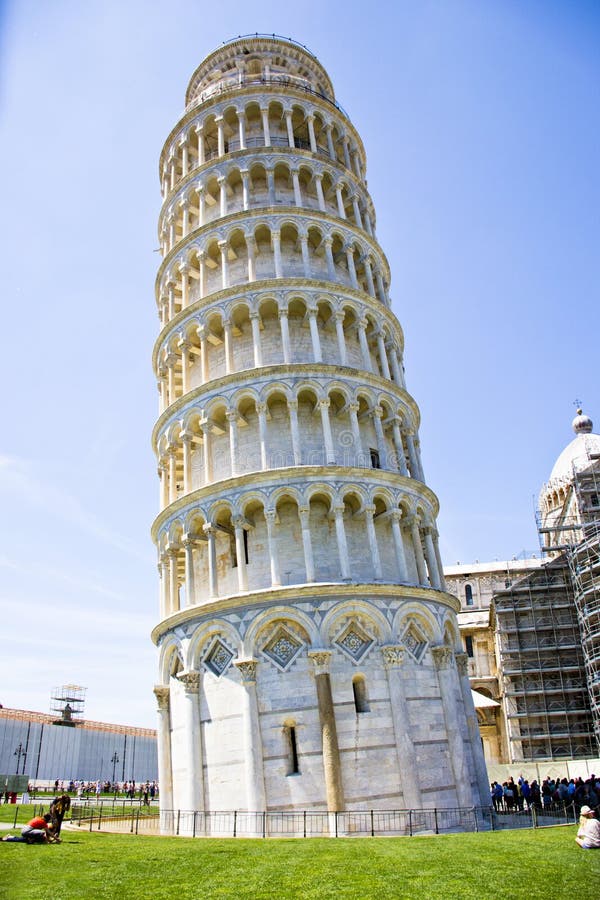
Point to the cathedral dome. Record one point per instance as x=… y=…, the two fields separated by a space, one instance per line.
x=579 y=453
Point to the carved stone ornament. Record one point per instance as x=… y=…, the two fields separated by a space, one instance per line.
x=442 y=656
x=414 y=642
x=162 y=695
x=191 y=681
x=282 y=648
x=393 y=655
x=354 y=641
x=320 y=660
x=462 y=663
x=218 y=658
x=247 y=669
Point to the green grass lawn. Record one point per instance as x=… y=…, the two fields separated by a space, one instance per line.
x=545 y=863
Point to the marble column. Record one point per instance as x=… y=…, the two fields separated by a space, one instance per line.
x=372 y=539
x=381 y=448
x=253 y=753
x=211 y=535
x=193 y=785
x=431 y=559
x=351 y=266
x=295 y=431
x=232 y=417
x=327 y=435
x=483 y=783
x=314 y=334
x=449 y=690
x=355 y=427
x=285 y=335
x=276 y=241
x=173 y=553
x=290 y=128
x=190 y=575
x=415 y=531
x=341 y=337
x=245 y=188
x=393 y=660
x=240 y=552
x=334 y=788
x=309 y=564
x=364 y=346
x=207 y=451
x=340 y=531
x=165 y=769
x=256 y=345
x=396 y=517
x=227 y=340
x=271 y=520
x=261 y=410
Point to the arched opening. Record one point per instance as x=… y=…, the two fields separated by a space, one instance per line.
x=289 y=730
x=359 y=689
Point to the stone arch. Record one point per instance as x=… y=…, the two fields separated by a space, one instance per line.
x=362 y=611
x=170 y=648
x=413 y=611
x=204 y=636
x=268 y=620
x=451 y=633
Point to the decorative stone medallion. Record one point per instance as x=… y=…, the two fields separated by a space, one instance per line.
x=282 y=649
x=414 y=642
x=218 y=658
x=354 y=641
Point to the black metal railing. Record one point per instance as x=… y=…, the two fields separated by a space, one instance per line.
x=310 y=823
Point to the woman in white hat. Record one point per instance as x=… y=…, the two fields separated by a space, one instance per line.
x=588 y=835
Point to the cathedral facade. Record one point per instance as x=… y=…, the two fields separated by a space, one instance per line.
x=309 y=653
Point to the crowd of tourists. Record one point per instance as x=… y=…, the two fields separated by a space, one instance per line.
x=145 y=792
x=521 y=795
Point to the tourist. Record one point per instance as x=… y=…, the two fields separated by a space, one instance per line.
x=37 y=831
x=588 y=835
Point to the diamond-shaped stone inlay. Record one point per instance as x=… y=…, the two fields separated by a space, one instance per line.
x=354 y=642
x=218 y=658
x=414 y=643
x=282 y=648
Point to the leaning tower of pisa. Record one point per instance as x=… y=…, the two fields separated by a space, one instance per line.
x=309 y=653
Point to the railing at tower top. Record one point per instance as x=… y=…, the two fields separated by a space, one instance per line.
x=276 y=37
x=234 y=82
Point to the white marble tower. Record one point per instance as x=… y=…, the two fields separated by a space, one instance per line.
x=309 y=654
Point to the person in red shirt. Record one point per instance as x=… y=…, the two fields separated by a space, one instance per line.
x=37 y=831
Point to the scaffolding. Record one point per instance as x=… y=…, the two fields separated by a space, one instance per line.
x=541 y=665
x=584 y=563
x=68 y=703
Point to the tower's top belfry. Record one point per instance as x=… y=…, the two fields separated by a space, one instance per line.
x=257 y=58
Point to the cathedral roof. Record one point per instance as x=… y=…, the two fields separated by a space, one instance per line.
x=580 y=452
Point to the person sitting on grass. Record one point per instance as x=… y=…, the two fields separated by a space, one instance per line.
x=588 y=836
x=37 y=831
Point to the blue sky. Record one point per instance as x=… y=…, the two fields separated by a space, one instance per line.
x=481 y=129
